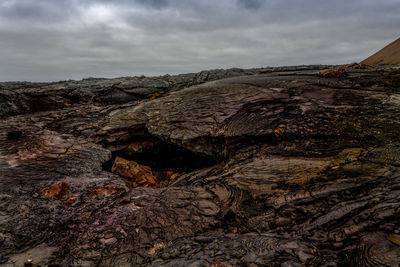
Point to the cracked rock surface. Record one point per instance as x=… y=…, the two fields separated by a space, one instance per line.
x=260 y=167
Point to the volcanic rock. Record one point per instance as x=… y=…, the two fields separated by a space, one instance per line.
x=56 y=191
x=261 y=167
x=137 y=175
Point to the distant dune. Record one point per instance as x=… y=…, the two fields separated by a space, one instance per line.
x=390 y=55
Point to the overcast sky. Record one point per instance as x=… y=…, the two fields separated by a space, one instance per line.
x=49 y=40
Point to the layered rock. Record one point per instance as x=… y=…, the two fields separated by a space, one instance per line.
x=280 y=166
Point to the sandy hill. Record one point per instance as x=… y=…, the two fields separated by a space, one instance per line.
x=390 y=54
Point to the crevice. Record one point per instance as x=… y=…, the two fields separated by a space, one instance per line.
x=145 y=160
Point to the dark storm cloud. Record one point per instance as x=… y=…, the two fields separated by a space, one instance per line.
x=39 y=10
x=250 y=4
x=51 y=40
x=154 y=3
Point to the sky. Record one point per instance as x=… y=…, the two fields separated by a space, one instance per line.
x=50 y=40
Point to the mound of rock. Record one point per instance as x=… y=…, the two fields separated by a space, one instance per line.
x=389 y=55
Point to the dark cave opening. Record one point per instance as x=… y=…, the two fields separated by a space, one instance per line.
x=152 y=162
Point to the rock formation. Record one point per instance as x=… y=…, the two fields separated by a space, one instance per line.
x=264 y=167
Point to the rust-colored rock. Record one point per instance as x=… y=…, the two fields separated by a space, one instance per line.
x=57 y=191
x=70 y=201
x=278 y=132
x=135 y=174
x=167 y=175
x=108 y=190
x=327 y=73
x=154 y=96
x=139 y=146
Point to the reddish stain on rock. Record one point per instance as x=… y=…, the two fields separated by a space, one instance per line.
x=55 y=191
x=278 y=132
x=108 y=190
x=134 y=173
x=70 y=201
x=332 y=73
x=154 y=96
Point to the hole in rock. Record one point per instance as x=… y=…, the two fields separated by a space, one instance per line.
x=12 y=135
x=230 y=223
x=150 y=162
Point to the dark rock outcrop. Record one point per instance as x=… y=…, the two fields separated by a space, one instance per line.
x=274 y=166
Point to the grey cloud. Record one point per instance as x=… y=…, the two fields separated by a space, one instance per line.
x=154 y=3
x=250 y=4
x=50 y=40
x=40 y=10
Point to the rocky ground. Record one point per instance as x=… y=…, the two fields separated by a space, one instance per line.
x=291 y=166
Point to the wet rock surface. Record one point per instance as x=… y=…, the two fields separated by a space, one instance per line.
x=295 y=166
